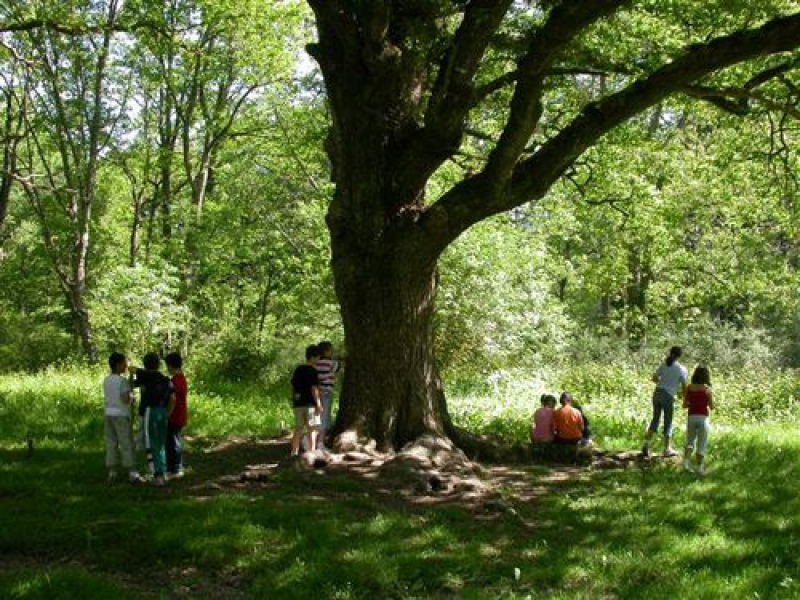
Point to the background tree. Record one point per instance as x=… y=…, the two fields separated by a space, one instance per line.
x=69 y=125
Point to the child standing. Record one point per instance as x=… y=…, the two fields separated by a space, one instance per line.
x=670 y=380
x=157 y=403
x=699 y=400
x=306 y=401
x=178 y=416
x=117 y=421
x=542 y=429
x=327 y=368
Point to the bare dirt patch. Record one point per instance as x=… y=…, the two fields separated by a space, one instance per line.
x=430 y=472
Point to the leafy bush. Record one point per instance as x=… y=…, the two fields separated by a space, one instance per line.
x=136 y=309
x=31 y=342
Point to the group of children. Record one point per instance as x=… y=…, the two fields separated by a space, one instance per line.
x=163 y=411
x=569 y=425
x=312 y=396
x=671 y=381
x=162 y=415
x=565 y=425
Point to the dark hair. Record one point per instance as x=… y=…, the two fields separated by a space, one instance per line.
x=115 y=359
x=674 y=354
x=312 y=351
x=565 y=397
x=174 y=360
x=324 y=347
x=701 y=376
x=151 y=361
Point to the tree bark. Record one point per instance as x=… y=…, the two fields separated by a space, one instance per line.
x=392 y=390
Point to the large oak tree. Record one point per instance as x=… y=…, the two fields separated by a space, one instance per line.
x=406 y=80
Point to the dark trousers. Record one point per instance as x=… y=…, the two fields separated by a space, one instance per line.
x=174 y=455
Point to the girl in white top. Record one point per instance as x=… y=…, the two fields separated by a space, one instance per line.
x=670 y=380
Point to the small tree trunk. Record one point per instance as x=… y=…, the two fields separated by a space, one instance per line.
x=392 y=391
x=80 y=317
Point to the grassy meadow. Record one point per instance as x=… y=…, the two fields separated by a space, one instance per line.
x=646 y=531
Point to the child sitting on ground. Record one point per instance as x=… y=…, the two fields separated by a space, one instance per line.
x=699 y=400
x=117 y=421
x=586 y=435
x=568 y=422
x=542 y=430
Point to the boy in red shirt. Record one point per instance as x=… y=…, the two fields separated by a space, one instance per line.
x=178 y=416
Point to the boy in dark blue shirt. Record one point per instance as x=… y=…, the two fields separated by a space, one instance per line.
x=158 y=400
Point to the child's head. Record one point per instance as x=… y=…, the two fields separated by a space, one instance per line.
x=325 y=349
x=548 y=400
x=701 y=376
x=151 y=361
x=174 y=362
x=117 y=362
x=312 y=354
x=674 y=354
x=565 y=399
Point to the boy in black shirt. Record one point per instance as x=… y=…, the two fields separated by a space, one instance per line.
x=306 y=400
x=158 y=400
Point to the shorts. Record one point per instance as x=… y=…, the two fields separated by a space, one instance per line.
x=306 y=417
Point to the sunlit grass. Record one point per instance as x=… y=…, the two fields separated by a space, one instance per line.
x=652 y=532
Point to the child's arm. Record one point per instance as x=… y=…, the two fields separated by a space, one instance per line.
x=171 y=403
x=710 y=399
x=315 y=394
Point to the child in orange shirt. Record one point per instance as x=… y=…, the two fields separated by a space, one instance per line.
x=568 y=422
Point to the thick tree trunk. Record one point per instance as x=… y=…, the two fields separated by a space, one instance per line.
x=392 y=391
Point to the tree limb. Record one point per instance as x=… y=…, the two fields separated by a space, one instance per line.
x=476 y=198
x=736 y=100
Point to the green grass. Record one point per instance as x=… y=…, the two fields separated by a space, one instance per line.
x=650 y=532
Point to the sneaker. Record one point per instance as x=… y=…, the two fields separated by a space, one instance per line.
x=645 y=451
x=159 y=481
x=669 y=453
x=176 y=475
x=687 y=465
x=134 y=477
x=701 y=470
x=112 y=477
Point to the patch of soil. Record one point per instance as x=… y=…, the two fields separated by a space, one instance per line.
x=431 y=471
x=178 y=583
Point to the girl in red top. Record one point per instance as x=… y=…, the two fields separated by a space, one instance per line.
x=699 y=400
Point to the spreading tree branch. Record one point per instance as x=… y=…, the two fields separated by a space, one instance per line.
x=478 y=197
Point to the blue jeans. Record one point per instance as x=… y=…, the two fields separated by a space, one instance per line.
x=327 y=406
x=662 y=402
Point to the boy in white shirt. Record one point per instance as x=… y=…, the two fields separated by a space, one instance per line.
x=118 y=431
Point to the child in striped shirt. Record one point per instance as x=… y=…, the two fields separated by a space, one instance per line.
x=327 y=367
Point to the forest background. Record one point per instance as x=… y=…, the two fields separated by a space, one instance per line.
x=164 y=185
